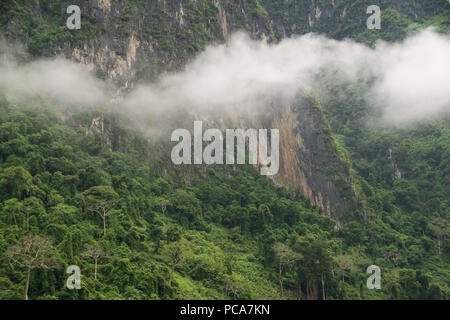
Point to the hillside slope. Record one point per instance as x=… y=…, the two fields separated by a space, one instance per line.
x=347 y=196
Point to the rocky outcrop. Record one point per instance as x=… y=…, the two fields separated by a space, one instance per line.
x=309 y=161
x=126 y=42
x=334 y=17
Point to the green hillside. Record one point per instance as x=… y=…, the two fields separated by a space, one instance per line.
x=140 y=227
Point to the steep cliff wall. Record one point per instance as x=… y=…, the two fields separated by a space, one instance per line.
x=347 y=19
x=132 y=41
x=310 y=159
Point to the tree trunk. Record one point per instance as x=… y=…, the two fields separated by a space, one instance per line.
x=104 y=225
x=323 y=289
x=171 y=275
x=95 y=269
x=280 y=279
x=164 y=214
x=315 y=288
x=310 y=290
x=27 y=283
x=307 y=289
x=281 y=287
x=299 y=290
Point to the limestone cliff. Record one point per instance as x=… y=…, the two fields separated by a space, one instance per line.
x=309 y=160
x=309 y=157
x=132 y=41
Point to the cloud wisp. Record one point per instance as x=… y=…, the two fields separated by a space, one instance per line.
x=410 y=79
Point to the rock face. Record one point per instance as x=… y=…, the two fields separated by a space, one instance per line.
x=127 y=42
x=309 y=160
x=334 y=17
x=130 y=41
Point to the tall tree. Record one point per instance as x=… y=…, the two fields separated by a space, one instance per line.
x=95 y=253
x=314 y=268
x=16 y=181
x=285 y=257
x=345 y=263
x=101 y=199
x=232 y=287
x=162 y=203
x=12 y=207
x=32 y=252
x=440 y=229
x=31 y=205
x=175 y=256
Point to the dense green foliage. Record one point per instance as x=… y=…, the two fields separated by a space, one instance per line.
x=224 y=220
x=347 y=19
x=140 y=228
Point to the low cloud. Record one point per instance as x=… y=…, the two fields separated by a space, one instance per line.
x=58 y=79
x=414 y=78
x=410 y=80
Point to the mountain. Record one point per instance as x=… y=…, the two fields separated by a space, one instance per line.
x=347 y=194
